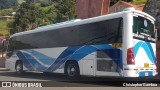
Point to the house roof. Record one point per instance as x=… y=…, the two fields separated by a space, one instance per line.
x=137 y=7
x=6 y=16
x=3 y=37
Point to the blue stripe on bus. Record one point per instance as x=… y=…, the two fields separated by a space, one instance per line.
x=44 y=58
x=79 y=54
x=62 y=58
x=152 y=52
x=147 y=48
x=30 y=63
x=25 y=61
x=71 y=53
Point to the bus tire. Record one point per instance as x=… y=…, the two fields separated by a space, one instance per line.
x=72 y=70
x=19 y=67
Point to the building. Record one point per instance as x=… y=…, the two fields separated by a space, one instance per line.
x=91 y=8
x=120 y=5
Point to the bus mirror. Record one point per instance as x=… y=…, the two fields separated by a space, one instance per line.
x=3 y=43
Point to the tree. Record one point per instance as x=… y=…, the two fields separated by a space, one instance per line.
x=112 y=2
x=11 y=26
x=25 y=18
x=30 y=16
x=51 y=14
x=65 y=10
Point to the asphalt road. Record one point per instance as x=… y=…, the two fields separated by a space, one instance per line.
x=60 y=80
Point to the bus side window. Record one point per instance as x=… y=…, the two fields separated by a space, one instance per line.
x=11 y=45
x=119 y=31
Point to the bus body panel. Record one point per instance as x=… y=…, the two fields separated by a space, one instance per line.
x=145 y=58
x=49 y=60
x=10 y=62
x=127 y=35
x=144 y=52
x=83 y=42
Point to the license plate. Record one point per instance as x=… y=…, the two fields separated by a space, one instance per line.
x=146 y=65
x=146 y=73
x=117 y=45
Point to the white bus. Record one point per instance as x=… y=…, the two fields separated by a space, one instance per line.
x=119 y=44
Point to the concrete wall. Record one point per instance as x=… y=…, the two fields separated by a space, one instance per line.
x=2 y=62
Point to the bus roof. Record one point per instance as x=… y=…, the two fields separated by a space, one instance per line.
x=80 y=22
x=51 y=25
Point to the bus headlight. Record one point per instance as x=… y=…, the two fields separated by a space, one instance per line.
x=154 y=72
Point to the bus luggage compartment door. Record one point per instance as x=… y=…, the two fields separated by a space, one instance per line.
x=108 y=62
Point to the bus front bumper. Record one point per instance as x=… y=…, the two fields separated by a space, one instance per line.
x=139 y=73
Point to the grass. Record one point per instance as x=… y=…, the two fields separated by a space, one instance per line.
x=3 y=27
x=139 y=2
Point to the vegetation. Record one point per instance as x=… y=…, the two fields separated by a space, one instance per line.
x=6 y=12
x=65 y=10
x=34 y=13
x=112 y=2
x=31 y=15
x=136 y=2
x=3 y=28
x=8 y=3
x=20 y=1
x=139 y=2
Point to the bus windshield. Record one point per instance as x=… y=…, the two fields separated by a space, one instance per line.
x=143 y=26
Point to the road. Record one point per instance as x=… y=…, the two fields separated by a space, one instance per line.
x=59 y=80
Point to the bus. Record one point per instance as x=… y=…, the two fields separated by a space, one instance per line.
x=121 y=44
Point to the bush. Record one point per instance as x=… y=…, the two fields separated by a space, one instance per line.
x=1 y=34
x=44 y=3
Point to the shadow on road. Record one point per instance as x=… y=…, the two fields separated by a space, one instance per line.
x=61 y=78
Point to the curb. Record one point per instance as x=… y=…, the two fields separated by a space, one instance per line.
x=4 y=69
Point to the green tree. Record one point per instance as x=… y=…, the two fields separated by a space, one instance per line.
x=25 y=18
x=112 y=2
x=65 y=10
x=51 y=15
x=29 y=15
x=11 y=26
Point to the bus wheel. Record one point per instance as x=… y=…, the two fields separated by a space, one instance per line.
x=19 y=67
x=72 y=70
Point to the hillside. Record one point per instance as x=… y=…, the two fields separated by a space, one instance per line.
x=8 y=3
x=4 y=4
